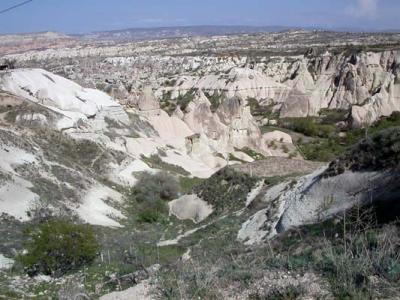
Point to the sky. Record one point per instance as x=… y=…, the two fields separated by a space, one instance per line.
x=80 y=16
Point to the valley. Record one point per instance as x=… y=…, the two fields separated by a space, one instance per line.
x=200 y=164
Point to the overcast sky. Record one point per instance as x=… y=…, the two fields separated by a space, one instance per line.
x=77 y=16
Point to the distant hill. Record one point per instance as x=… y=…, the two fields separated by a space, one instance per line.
x=176 y=32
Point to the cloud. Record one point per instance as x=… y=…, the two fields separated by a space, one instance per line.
x=363 y=9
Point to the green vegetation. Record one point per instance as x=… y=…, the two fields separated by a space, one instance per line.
x=352 y=257
x=187 y=183
x=183 y=100
x=333 y=116
x=149 y=196
x=226 y=189
x=215 y=99
x=347 y=253
x=378 y=151
x=78 y=154
x=24 y=109
x=58 y=246
x=321 y=150
x=308 y=126
x=170 y=82
x=253 y=154
x=326 y=144
x=266 y=111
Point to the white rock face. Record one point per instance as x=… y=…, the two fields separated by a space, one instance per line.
x=190 y=207
x=94 y=210
x=32 y=119
x=140 y=291
x=278 y=136
x=251 y=231
x=247 y=82
x=147 y=100
x=16 y=198
x=61 y=95
x=367 y=83
x=5 y=263
x=312 y=199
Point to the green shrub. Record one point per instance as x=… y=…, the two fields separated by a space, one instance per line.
x=155 y=186
x=226 y=189
x=150 y=215
x=215 y=99
x=333 y=116
x=184 y=100
x=150 y=194
x=58 y=246
x=262 y=110
x=309 y=126
x=321 y=150
x=378 y=152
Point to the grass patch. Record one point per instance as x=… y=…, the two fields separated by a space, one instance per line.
x=188 y=183
x=253 y=154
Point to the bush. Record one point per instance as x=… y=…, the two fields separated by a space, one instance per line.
x=380 y=151
x=152 y=187
x=150 y=194
x=226 y=189
x=309 y=126
x=58 y=246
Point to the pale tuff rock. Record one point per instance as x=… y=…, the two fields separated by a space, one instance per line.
x=242 y=156
x=5 y=263
x=252 y=231
x=313 y=198
x=190 y=207
x=33 y=119
x=16 y=198
x=248 y=82
x=301 y=86
x=147 y=100
x=94 y=209
x=254 y=193
x=296 y=105
x=61 y=95
x=278 y=136
x=142 y=291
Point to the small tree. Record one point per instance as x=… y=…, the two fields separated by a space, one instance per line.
x=150 y=194
x=58 y=246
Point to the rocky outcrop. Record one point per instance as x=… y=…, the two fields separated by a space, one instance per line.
x=147 y=101
x=353 y=180
x=72 y=102
x=365 y=83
